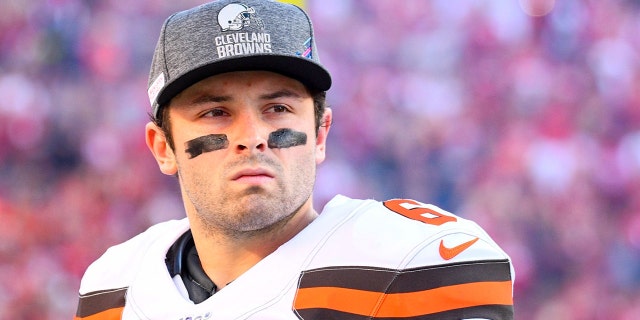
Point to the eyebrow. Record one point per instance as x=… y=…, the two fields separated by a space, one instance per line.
x=284 y=93
x=211 y=98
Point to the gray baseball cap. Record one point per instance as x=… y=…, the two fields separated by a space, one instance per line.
x=234 y=35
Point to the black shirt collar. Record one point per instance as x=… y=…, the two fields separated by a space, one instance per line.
x=182 y=259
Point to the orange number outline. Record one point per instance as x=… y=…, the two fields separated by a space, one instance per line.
x=418 y=212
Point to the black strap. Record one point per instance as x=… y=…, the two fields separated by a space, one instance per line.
x=182 y=258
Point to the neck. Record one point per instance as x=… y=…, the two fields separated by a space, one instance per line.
x=225 y=257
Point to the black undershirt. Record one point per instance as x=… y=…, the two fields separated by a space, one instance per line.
x=182 y=258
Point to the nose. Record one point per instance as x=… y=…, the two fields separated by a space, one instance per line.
x=250 y=135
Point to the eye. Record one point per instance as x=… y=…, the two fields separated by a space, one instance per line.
x=214 y=113
x=278 y=108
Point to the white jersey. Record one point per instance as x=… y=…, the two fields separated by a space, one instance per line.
x=360 y=259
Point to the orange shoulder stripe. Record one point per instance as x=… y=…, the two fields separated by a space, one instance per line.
x=446 y=298
x=334 y=298
x=409 y=304
x=110 y=314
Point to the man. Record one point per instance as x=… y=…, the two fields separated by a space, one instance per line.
x=238 y=107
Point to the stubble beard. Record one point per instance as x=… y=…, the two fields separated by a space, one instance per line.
x=254 y=210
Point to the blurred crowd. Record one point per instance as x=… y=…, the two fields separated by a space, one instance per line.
x=528 y=124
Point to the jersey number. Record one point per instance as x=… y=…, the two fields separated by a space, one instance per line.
x=418 y=211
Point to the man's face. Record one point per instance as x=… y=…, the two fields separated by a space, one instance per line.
x=245 y=150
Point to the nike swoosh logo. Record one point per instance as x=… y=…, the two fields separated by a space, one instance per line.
x=450 y=253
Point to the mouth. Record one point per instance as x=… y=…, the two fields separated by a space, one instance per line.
x=252 y=176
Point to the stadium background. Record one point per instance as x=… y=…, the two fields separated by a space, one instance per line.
x=522 y=115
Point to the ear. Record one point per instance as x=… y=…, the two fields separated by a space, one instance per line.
x=157 y=143
x=323 y=132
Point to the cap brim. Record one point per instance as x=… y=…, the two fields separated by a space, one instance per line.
x=309 y=73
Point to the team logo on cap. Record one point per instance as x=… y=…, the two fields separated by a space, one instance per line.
x=236 y=16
